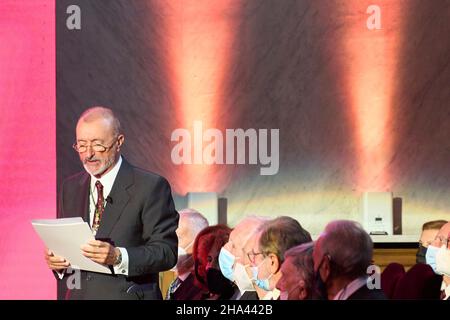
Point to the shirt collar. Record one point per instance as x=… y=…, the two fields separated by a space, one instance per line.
x=272 y=295
x=351 y=288
x=184 y=276
x=446 y=288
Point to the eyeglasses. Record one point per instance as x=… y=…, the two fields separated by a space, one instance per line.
x=252 y=256
x=80 y=148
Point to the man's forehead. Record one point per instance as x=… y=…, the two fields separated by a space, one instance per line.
x=239 y=236
x=252 y=242
x=100 y=124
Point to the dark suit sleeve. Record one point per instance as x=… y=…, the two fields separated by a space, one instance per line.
x=60 y=214
x=160 y=220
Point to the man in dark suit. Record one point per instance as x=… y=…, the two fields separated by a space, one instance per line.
x=341 y=256
x=131 y=213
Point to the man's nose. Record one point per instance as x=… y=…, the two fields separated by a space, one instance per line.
x=90 y=152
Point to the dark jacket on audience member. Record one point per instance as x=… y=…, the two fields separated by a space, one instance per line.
x=187 y=290
x=364 y=293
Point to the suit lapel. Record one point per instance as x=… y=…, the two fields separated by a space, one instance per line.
x=120 y=198
x=82 y=207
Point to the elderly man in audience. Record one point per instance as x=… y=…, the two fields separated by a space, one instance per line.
x=297 y=274
x=189 y=226
x=276 y=237
x=438 y=257
x=341 y=256
x=430 y=230
x=233 y=260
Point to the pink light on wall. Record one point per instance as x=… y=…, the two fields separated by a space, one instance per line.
x=370 y=72
x=200 y=33
x=27 y=145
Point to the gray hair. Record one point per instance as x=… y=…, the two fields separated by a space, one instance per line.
x=197 y=221
x=349 y=246
x=97 y=112
x=302 y=260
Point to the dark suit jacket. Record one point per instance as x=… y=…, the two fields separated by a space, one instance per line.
x=364 y=293
x=139 y=217
x=187 y=290
x=249 y=295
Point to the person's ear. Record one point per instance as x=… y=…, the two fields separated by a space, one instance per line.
x=448 y=242
x=274 y=263
x=302 y=293
x=120 y=141
x=325 y=269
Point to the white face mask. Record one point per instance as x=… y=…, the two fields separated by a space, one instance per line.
x=262 y=283
x=443 y=261
x=241 y=278
x=430 y=256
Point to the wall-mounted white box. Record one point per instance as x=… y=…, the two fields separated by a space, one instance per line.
x=377 y=213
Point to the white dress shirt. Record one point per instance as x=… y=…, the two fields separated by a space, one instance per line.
x=446 y=289
x=107 y=181
x=351 y=288
x=272 y=295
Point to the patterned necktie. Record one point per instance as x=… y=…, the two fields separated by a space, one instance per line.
x=173 y=287
x=99 y=207
x=442 y=297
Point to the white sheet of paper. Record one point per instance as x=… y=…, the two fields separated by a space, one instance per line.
x=65 y=237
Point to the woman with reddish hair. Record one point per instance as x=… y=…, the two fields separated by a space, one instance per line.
x=206 y=251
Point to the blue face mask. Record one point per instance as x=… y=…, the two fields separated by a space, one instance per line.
x=430 y=256
x=261 y=283
x=226 y=262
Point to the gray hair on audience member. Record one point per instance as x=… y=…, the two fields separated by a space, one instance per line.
x=302 y=260
x=197 y=221
x=349 y=246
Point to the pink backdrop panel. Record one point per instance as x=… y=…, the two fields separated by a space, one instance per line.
x=27 y=145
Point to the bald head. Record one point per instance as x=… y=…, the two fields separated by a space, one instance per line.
x=242 y=233
x=104 y=115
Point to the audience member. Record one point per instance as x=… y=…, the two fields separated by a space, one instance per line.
x=341 y=256
x=183 y=287
x=233 y=260
x=206 y=250
x=429 y=231
x=276 y=237
x=297 y=274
